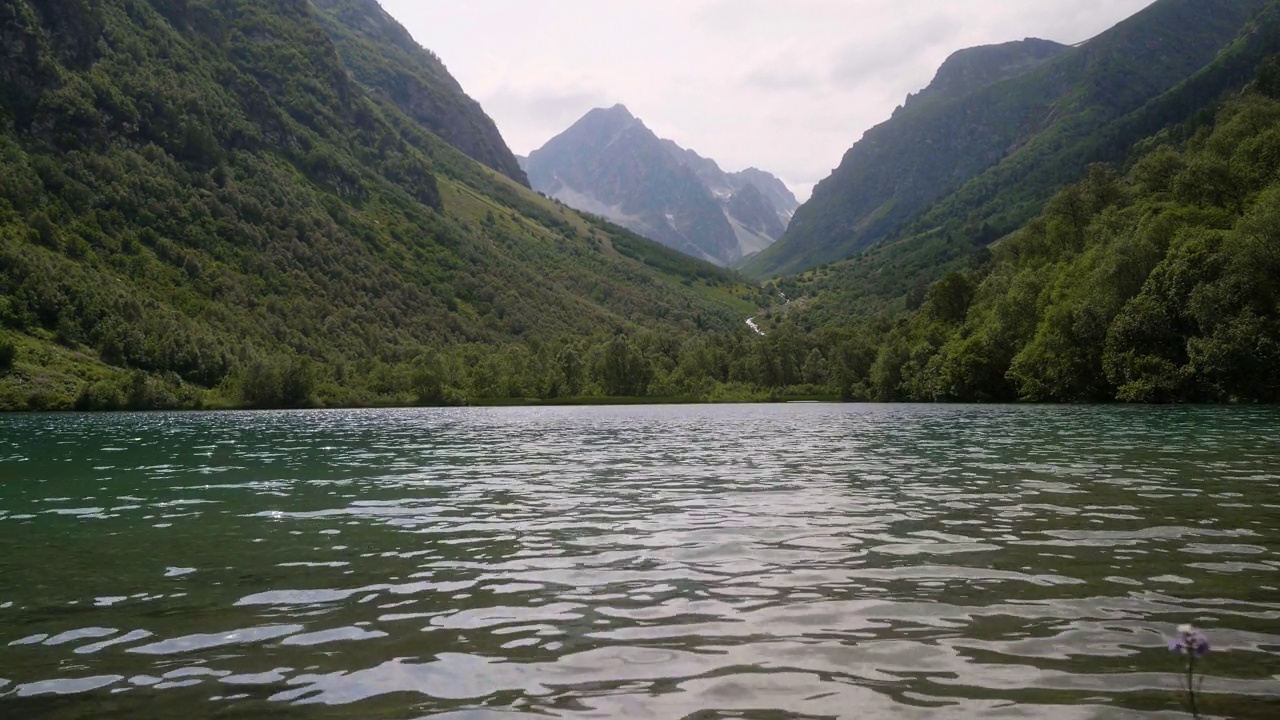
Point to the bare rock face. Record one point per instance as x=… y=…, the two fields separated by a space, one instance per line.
x=610 y=164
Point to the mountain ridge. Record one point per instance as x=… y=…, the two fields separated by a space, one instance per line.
x=611 y=164
x=383 y=57
x=972 y=69
x=889 y=277
x=922 y=154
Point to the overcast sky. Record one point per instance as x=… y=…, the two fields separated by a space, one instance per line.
x=783 y=85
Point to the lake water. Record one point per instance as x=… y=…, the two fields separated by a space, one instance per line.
x=799 y=561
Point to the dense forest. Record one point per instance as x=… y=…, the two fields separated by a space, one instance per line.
x=1156 y=286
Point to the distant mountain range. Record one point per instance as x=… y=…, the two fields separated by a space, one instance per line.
x=1000 y=129
x=610 y=164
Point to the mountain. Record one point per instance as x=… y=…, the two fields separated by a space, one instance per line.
x=992 y=117
x=759 y=205
x=610 y=164
x=968 y=71
x=775 y=192
x=385 y=59
x=200 y=202
x=885 y=277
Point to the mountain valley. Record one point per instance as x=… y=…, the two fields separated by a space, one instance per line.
x=224 y=203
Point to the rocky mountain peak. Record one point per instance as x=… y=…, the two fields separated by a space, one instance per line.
x=609 y=163
x=618 y=111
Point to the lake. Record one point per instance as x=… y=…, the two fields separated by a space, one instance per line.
x=788 y=561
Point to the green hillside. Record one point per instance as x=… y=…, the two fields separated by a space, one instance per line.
x=1158 y=282
x=222 y=203
x=386 y=60
x=957 y=157
x=199 y=204
x=1161 y=285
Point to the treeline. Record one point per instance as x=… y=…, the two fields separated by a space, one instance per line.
x=643 y=364
x=1002 y=200
x=1160 y=284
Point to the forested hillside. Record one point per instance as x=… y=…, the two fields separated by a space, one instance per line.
x=212 y=203
x=1159 y=283
x=199 y=204
x=383 y=57
x=992 y=156
x=1158 y=286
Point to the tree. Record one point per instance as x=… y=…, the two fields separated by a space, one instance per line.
x=886 y=371
x=624 y=371
x=278 y=381
x=1156 y=172
x=1145 y=353
x=427 y=380
x=949 y=298
x=1209 y=182
x=849 y=365
x=572 y=369
x=815 y=368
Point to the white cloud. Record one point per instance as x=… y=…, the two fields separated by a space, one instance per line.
x=784 y=85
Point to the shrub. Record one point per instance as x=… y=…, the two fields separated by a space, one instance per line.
x=278 y=381
x=8 y=353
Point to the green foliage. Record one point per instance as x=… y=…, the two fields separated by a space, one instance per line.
x=259 y=230
x=1161 y=286
x=138 y=391
x=624 y=371
x=948 y=300
x=384 y=57
x=278 y=381
x=428 y=380
x=199 y=192
x=8 y=352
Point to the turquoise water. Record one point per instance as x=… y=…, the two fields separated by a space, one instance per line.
x=800 y=561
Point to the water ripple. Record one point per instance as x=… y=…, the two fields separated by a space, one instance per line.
x=689 y=562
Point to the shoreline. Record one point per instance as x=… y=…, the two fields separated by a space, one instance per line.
x=587 y=402
x=483 y=403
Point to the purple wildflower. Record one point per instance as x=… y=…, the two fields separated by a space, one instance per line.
x=1189 y=641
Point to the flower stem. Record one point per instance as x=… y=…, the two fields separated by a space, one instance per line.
x=1191 y=685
